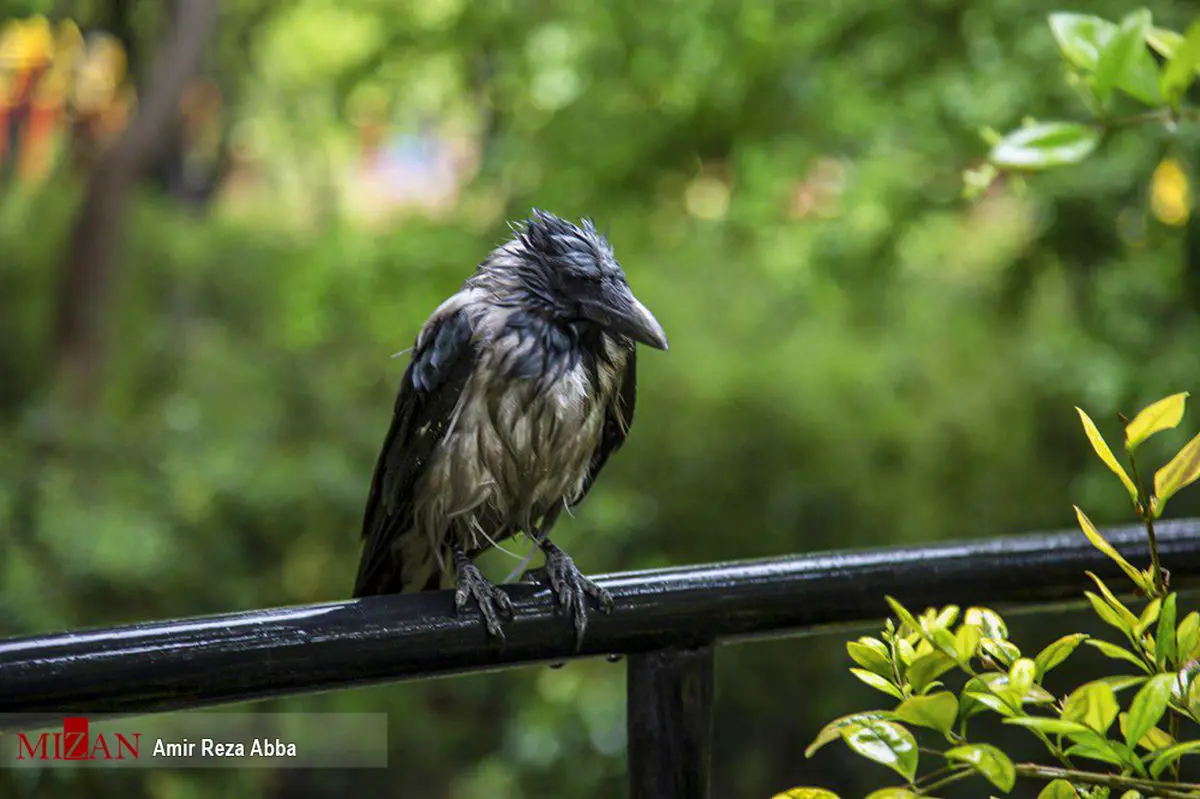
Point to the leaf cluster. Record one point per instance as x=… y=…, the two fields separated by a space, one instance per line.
x=1125 y=73
x=1117 y=735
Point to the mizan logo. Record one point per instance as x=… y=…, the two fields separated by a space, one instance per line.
x=75 y=743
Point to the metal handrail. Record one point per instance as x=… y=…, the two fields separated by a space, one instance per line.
x=666 y=620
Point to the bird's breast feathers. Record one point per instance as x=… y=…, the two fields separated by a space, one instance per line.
x=525 y=429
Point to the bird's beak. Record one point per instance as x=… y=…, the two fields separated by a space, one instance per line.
x=621 y=313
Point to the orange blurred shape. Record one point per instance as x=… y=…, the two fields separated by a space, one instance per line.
x=37 y=148
x=46 y=72
x=99 y=74
x=26 y=43
x=68 y=42
x=1170 y=194
x=35 y=153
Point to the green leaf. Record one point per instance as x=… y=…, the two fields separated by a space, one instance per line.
x=1149 y=705
x=1057 y=652
x=1059 y=789
x=1193 y=694
x=944 y=618
x=944 y=640
x=1081 y=38
x=1111 y=600
x=1120 y=682
x=990 y=691
x=1165 y=414
x=1164 y=638
x=893 y=793
x=988 y=761
x=1125 y=62
x=806 y=793
x=1094 y=752
x=1093 y=705
x=1187 y=636
x=1021 y=676
x=927 y=668
x=1048 y=725
x=832 y=730
x=1110 y=460
x=1164 y=42
x=884 y=742
x=1154 y=738
x=990 y=623
x=905 y=651
x=989 y=701
x=1045 y=145
x=1163 y=759
x=1117 y=653
x=872 y=654
x=1181 y=69
x=1080 y=736
x=968 y=705
x=878 y=683
x=1100 y=543
x=1180 y=472
x=905 y=617
x=1104 y=611
x=936 y=711
x=1148 y=616
x=1037 y=695
x=966 y=642
x=1003 y=652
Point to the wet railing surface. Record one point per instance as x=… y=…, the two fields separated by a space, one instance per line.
x=666 y=621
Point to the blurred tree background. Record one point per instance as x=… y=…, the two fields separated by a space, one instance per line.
x=195 y=370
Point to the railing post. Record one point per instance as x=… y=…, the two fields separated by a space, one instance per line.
x=669 y=697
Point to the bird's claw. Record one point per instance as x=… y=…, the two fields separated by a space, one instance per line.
x=570 y=587
x=493 y=602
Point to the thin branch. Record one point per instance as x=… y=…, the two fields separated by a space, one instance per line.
x=959 y=774
x=1144 y=510
x=1168 y=790
x=933 y=777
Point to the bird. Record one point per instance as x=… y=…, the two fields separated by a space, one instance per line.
x=518 y=390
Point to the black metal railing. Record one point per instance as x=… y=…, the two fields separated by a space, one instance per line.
x=666 y=621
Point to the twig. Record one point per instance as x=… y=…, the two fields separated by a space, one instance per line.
x=933 y=776
x=1173 y=729
x=1147 y=514
x=1167 y=790
x=958 y=774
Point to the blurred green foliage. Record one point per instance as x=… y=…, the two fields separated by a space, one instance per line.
x=858 y=356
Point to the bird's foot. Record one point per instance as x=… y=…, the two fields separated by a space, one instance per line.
x=570 y=587
x=493 y=602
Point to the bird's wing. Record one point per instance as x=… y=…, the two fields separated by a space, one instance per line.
x=618 y=418
x=442 y=362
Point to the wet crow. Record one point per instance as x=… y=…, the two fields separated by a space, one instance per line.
x=519 y=388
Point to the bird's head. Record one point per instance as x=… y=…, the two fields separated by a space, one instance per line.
x=569 y=272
